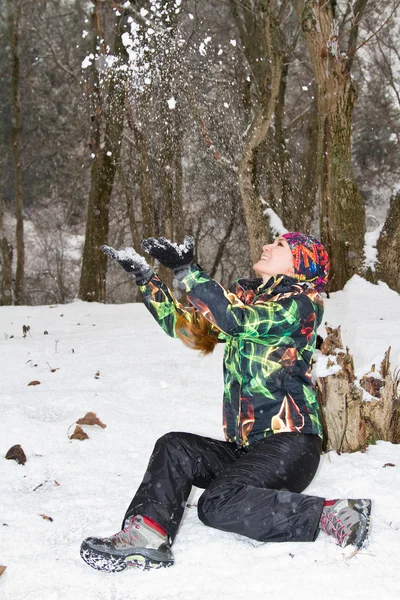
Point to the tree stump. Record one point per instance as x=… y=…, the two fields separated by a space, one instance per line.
x=388 y=246
x=355 y=412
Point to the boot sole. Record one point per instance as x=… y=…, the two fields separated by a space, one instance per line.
x=113 y=563
x=363 y=507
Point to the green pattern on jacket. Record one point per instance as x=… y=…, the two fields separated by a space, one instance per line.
x=270 y=334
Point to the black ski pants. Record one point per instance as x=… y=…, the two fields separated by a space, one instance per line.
x=255 y=491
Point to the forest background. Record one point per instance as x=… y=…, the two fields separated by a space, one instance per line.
x=121 y=120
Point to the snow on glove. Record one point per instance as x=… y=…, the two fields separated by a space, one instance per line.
x=177 y=257
x=132 y=262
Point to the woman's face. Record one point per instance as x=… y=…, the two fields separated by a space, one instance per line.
x=276 y=259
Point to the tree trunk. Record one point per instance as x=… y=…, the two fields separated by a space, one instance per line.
x=105 y=162
x=144 y=176
x=274 y=160
x=6 y=265
x=14 y=15
x=171 y=210
x=342 y=213
x=289 y=209
x=223 y=242
x=262 y=43
x=308 y=181
x=129 y=208
x=388 y=246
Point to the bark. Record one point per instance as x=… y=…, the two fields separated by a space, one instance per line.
x=6 y=263
x=129 y=208
x=14 y=15
x=223 y=243
x=276 y=158
x=107 y=152
x=171 y=214
x=282 y=153
x=262 y=43
x=342 y=214
x=388 y=246
x=308 y=182
x=144 y=170
x=350 y=420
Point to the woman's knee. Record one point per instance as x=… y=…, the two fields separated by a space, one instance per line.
x=175 y=448
x=205 y=509
x=216 y=503
x=172 y=438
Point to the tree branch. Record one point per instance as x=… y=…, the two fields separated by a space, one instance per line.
x=204 y=132
x=358 y=12
x=379 y=28
x=54 y=54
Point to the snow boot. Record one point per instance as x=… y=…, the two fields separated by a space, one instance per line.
x=142 y=544
x=347 y=521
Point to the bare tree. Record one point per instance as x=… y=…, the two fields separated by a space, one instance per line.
x=14 y=9
x=342 y=214
x=107 y=125
x=5 y=264
x=262 y=43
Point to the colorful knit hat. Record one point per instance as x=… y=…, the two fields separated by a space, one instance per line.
x=310 y=259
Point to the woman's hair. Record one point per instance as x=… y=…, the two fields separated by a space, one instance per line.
x=196 y=333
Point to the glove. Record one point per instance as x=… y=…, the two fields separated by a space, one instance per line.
x=132 y=262
x=171 y=255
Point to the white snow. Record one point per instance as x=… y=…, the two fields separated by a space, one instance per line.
x=149 y=384
x=370 y=251
x=275 y=222
x=203 y=46
x=171 y=103
x=87 y=61
x=324 y=365
x=130 y=254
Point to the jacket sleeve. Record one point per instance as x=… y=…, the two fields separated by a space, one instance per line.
x=274 y=321
x=162 y=305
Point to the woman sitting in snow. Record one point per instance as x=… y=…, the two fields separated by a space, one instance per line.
x=253 y=480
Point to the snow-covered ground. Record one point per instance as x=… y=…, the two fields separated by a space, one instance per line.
x=149 y=384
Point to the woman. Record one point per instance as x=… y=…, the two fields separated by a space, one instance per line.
x=253 y=480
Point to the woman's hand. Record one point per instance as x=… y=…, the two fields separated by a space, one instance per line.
x=170 y=255
x=132 y=262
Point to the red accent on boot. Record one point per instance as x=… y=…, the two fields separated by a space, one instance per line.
x=329 y=502
x=154 y=525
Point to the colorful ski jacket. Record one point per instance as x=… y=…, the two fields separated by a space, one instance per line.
x=270 y=334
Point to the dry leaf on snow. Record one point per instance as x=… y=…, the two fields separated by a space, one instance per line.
x=79 y=434
x=16 y=453
x=47 y=518
x=2 y=569
x=91 y=419
x=34 y=382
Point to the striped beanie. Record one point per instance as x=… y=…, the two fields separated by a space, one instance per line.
x=310 y=259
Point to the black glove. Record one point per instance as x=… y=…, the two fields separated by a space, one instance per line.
x=132 y=262
x=170 y=255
